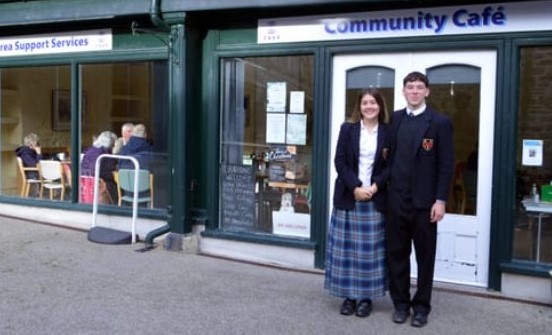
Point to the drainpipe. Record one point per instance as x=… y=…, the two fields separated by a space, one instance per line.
x=155 y=16
x=154 y=233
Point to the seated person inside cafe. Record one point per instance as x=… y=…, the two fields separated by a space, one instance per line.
x=30 y=153
x=139 y=147
x=126 y=133
x=103 y=144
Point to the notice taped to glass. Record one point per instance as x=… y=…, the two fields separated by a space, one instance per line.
x=237 y=192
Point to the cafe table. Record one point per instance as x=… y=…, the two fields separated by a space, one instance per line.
x=540 y=209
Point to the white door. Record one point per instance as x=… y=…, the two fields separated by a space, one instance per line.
x=462 y=86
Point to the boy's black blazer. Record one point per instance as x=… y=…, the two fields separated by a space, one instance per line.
x=433 y=166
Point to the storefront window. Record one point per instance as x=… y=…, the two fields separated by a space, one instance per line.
x=533 y=229
x=266 y=145
x=130 y=101
x=35 y=110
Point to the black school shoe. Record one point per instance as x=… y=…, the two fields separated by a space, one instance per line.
x=364 y=308
x=400 y=316
x=419 y=320
x=348 y=307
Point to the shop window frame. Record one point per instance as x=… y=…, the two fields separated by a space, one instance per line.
x=505 y=193
x=213 y=111
x=156 y=52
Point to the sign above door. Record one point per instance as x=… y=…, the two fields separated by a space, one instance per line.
x=453 y=20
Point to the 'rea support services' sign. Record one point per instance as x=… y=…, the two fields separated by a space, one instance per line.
x=80 y=41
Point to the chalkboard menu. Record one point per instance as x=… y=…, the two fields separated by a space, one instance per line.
x=238 y=197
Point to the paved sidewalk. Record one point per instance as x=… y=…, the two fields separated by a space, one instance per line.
x=53 y=281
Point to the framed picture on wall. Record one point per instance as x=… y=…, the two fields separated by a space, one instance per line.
x=61 y=109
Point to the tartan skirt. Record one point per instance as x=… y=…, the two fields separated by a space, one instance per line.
x=355 y=253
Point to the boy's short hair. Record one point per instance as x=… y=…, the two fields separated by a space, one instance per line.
x=416 y=76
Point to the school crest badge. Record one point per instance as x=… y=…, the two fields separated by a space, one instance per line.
x=427 y=144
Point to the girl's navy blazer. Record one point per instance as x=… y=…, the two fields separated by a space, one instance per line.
x=346 y=164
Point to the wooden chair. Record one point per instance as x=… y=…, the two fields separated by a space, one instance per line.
x=51 y=178
x=67 y=175
x=125 y=186
x=26 y=182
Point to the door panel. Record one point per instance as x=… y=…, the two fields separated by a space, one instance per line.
x=462 y=86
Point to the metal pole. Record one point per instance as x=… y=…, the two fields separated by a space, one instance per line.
x=135 y=194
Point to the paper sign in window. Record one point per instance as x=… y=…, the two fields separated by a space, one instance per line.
x=276 y=97
x=296 y=129
x=297 y=102
x=532 y=152
x=275 y=128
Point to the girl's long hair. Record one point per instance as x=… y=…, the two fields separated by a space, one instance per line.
x=383 y=116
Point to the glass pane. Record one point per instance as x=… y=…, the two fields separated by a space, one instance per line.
x=266 y=145
x=361 y=78
x=132 y=94
x=455 y=91
x=35 y=109
x=535 y=98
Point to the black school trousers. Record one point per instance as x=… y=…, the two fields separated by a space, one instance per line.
x=406 y=225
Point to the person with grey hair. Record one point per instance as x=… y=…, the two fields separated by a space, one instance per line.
x=138 y=147
x=126 y=133
x=103 y=144
x=30 y=153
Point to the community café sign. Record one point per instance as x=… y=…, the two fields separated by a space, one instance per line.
x=475 y=19
x=82 y=41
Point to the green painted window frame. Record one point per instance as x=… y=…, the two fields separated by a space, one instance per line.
x=238 y=43
x=506 y=192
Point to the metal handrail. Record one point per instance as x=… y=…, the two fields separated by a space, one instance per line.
x=135 y=193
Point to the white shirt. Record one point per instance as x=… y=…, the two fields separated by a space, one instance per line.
x=367 y=153
x=417 y=111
